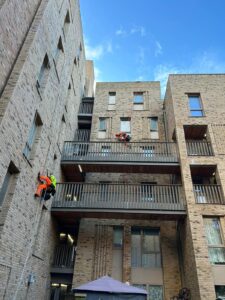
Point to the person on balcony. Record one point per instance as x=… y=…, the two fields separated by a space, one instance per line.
x=47 y=187
x=123 y=137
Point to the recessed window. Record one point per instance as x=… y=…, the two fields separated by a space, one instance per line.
x=195 y=106
x=215 y=241
x=125 y=125
x=33 y=134
x=153 y=124
x=138 y=98
x=59 y=49
x=112 y=97
x=42 y=76
x=117 y=237
x=66 y=24
x=8 y=182
x=145 y=248
x=102 y=124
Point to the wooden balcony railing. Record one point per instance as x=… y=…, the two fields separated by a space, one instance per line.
x=119 y=196
x=82 y=135
x=118 y=151
x=199 y=148
x=86 y=108
x=64 y=256
x=208 y=193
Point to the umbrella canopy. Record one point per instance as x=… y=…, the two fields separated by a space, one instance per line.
x=109 y=285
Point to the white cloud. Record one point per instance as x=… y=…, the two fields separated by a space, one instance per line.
x=109 y=47
x=158 y=49
x=96 y=52
x=91 y=52
x=97 y=74
x=138 y=29
x=206 y=63
x=140 y=78
x=121 y=32
x=134 y=30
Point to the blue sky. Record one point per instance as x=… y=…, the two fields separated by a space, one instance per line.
x=133 y=40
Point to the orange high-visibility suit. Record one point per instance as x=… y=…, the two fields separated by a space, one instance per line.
x=43 y=186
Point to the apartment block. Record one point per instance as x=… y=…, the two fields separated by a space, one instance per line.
x=149 y=211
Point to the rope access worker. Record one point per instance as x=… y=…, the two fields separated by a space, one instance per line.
x=47 y=186
x=123 y=137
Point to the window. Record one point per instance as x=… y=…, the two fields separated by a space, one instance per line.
x=117 y=237
x=215 y=242
x=220 y=290
x=145 y=248
x=102 y=124
x=66 y=24
x=125 y=125
x=138 y=97
x=59 y=49
x=155 y=292
x=112 y=97
x=153 y=124
x=12 y=170
x=33 y=134
x=42 y=76
x=195 y=106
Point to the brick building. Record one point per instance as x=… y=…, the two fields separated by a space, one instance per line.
x=148 y=211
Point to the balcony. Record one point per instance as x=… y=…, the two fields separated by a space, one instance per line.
x=208 y=194
x=82 y=135
x=85 y=111
x=64 y=257
x=117 y=200
x=199 y=148
x=137 y=157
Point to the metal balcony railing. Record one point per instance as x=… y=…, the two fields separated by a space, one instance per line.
x=119 y=196
x=82 y=135
x=199 y=148
x=208 y=193
x=119 y=151
x=64 y=256
x=86 y=108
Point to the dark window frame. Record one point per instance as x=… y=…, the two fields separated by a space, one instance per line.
x=200 y=109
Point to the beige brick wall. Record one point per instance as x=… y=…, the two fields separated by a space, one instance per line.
x=124 y=107
x=94 y=251
x=27 y=242
x=198 y=273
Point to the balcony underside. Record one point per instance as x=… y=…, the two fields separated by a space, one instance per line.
x=72 y=172
x=71 y=215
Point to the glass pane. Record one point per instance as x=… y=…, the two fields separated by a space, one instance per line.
x=135 y=250
x=155 y=292
x=125 y=126
x=196 y=113
x=194 y=102
x=112 y=99
x=102 y=124
x=212 y=227
x=220 y=290
x=154 y=124
x=118 y=237
x=4 y=187
x=138 y=99
x=217 y=255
